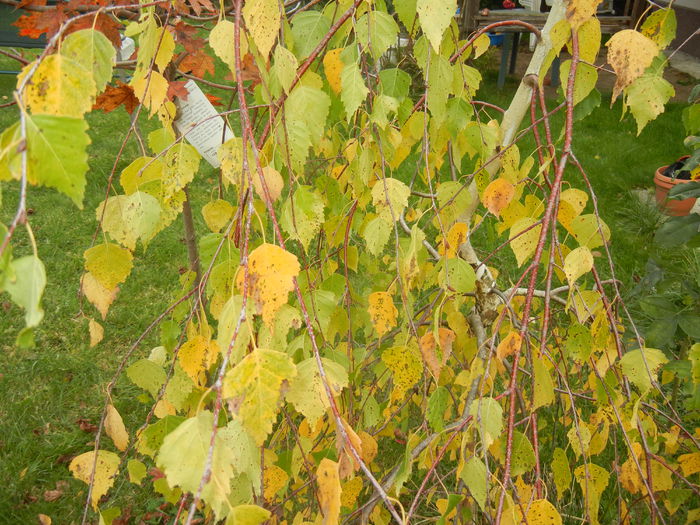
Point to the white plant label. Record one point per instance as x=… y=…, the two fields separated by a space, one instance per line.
x=200 y=123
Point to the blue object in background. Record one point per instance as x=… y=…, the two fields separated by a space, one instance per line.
x=496 y=39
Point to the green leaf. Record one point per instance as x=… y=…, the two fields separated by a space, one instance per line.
x=284 y=67
x=585 y=81
x=307 y=392
x=458 y=275
x=377 y=31
x=641 y=365
x=561 y=471
x=690 y=324
x=522 y=458
x=394 y=82
x=646 y=98
x=26 y=286
x=151 y=438
x=246 y=454
x=92 y=50
x=686 y=190
x=437 y=404
x=302 y=215
x=578 y=343
x=308 y=28
x=435 y=16
x=476 y=478
x=129 y=218
x=181 y=164
x=488 y=417
x=256 y=386
x=354 y=92
x=660 y=26
x=406 y=11
x=146 y=374
x=440 y=81
x=247 y=515
x=56 y=154
x=678 y=230
x=183 y=457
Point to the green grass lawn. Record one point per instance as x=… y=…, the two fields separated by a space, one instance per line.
x=46 y=391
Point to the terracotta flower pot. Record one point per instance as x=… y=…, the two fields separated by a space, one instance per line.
x=664 y=184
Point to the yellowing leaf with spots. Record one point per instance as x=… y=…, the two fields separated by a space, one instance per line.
x=271 y=273
x=59 y=86
x=247 y=514
x=351 y=491
x=303 y=214
x=577 y=263
x=390 y=197
x=629 y=54
x=579 y=438
x=333 y=67
x=435 y=16
x=329 y=490
x=106 y=468
x=307 y=392
x=690 y=463
x=217 y=214
x=255 y=387
x=406 y=368
x=274 y=480
x=115 y=429
x=509 y=345
x=262 y=20
x=455 y=238
x=524 y=235
x=130 y=218
x=589 y=230
x=382 y=312
x=109 y=263
x=561 y=472
x=498 y=195
x=641 y=366
x=593 y=481
x=578 y=11
x=542 y=512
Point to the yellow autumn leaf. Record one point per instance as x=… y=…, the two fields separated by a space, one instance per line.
x=333 y=67
x=329 y=490
x=109 y=263
x=274 y=480
x=498 y=195
x=382 y=312
x=262 y=19
x=578 y=11
x=100 y=297
x=346 y=460
x=106 y=468
x=509 y=345
x=406 y=368
x=436 y=358
x=369 y=446
x=542 y=512
x=690 y=463
x=273 y=181
x=524 y=235
x=593 y=480
x=457 y=235
x=59 y=86
x=351 y=491
x=151 y=89
x=217 y=214
x=577 y=263
x=271 y=273
x=115 y=429
x=97 y=332
x=629 y=54
x=196 y=356
x=221 y=41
